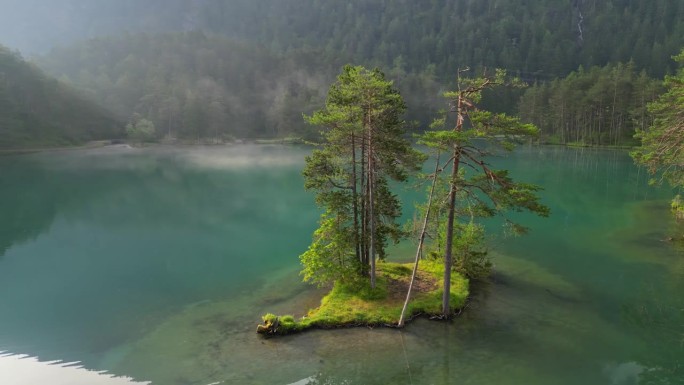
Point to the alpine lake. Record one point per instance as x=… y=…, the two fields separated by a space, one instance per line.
x=124 y=265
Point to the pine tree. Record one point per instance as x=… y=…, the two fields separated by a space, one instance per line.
x=662 y=142
x=474 y=187
x=364 y=148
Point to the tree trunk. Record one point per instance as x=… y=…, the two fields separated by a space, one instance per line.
x=452 y=213
x=355 y=202
x=421 y=240
x=448 y=258
x=371 y=214
x=364 y=209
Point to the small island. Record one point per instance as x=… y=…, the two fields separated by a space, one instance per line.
x=359 y=305
x=364 y=154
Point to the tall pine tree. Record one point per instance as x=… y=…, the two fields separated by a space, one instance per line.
x=473 y=184
x=364 y=148
x=662 y=143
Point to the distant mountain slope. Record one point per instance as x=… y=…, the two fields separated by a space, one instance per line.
x=38 y=111
x=195 y=86
x=541 y=38
x=192 y=86
x=249 y=68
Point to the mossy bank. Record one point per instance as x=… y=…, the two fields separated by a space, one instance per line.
x=349 y=305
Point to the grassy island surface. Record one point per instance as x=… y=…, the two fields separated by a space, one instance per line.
x=349 y=305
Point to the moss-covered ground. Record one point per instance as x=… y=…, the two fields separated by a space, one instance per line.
x=359 y=305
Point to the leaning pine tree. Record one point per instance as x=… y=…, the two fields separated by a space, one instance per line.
x=364 y=147
x=474 y=188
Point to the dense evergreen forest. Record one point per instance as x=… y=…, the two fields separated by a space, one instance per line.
x=545 y=39
x=36 y=110
x=194 y=86
x=250 y=68
x=599 y=106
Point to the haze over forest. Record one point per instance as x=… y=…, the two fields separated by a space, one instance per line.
x=249 y=69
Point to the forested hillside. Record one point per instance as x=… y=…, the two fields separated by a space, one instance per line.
x=543 y=38
x=36 y=110
x=596 y=106
x=193 y=86
x=250 y=68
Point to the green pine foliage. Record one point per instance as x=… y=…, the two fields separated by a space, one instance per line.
x=364 y=148
x=662 y=142
x=474 y=189
x=331 y=255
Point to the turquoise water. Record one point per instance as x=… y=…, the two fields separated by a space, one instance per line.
x=156 y=264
